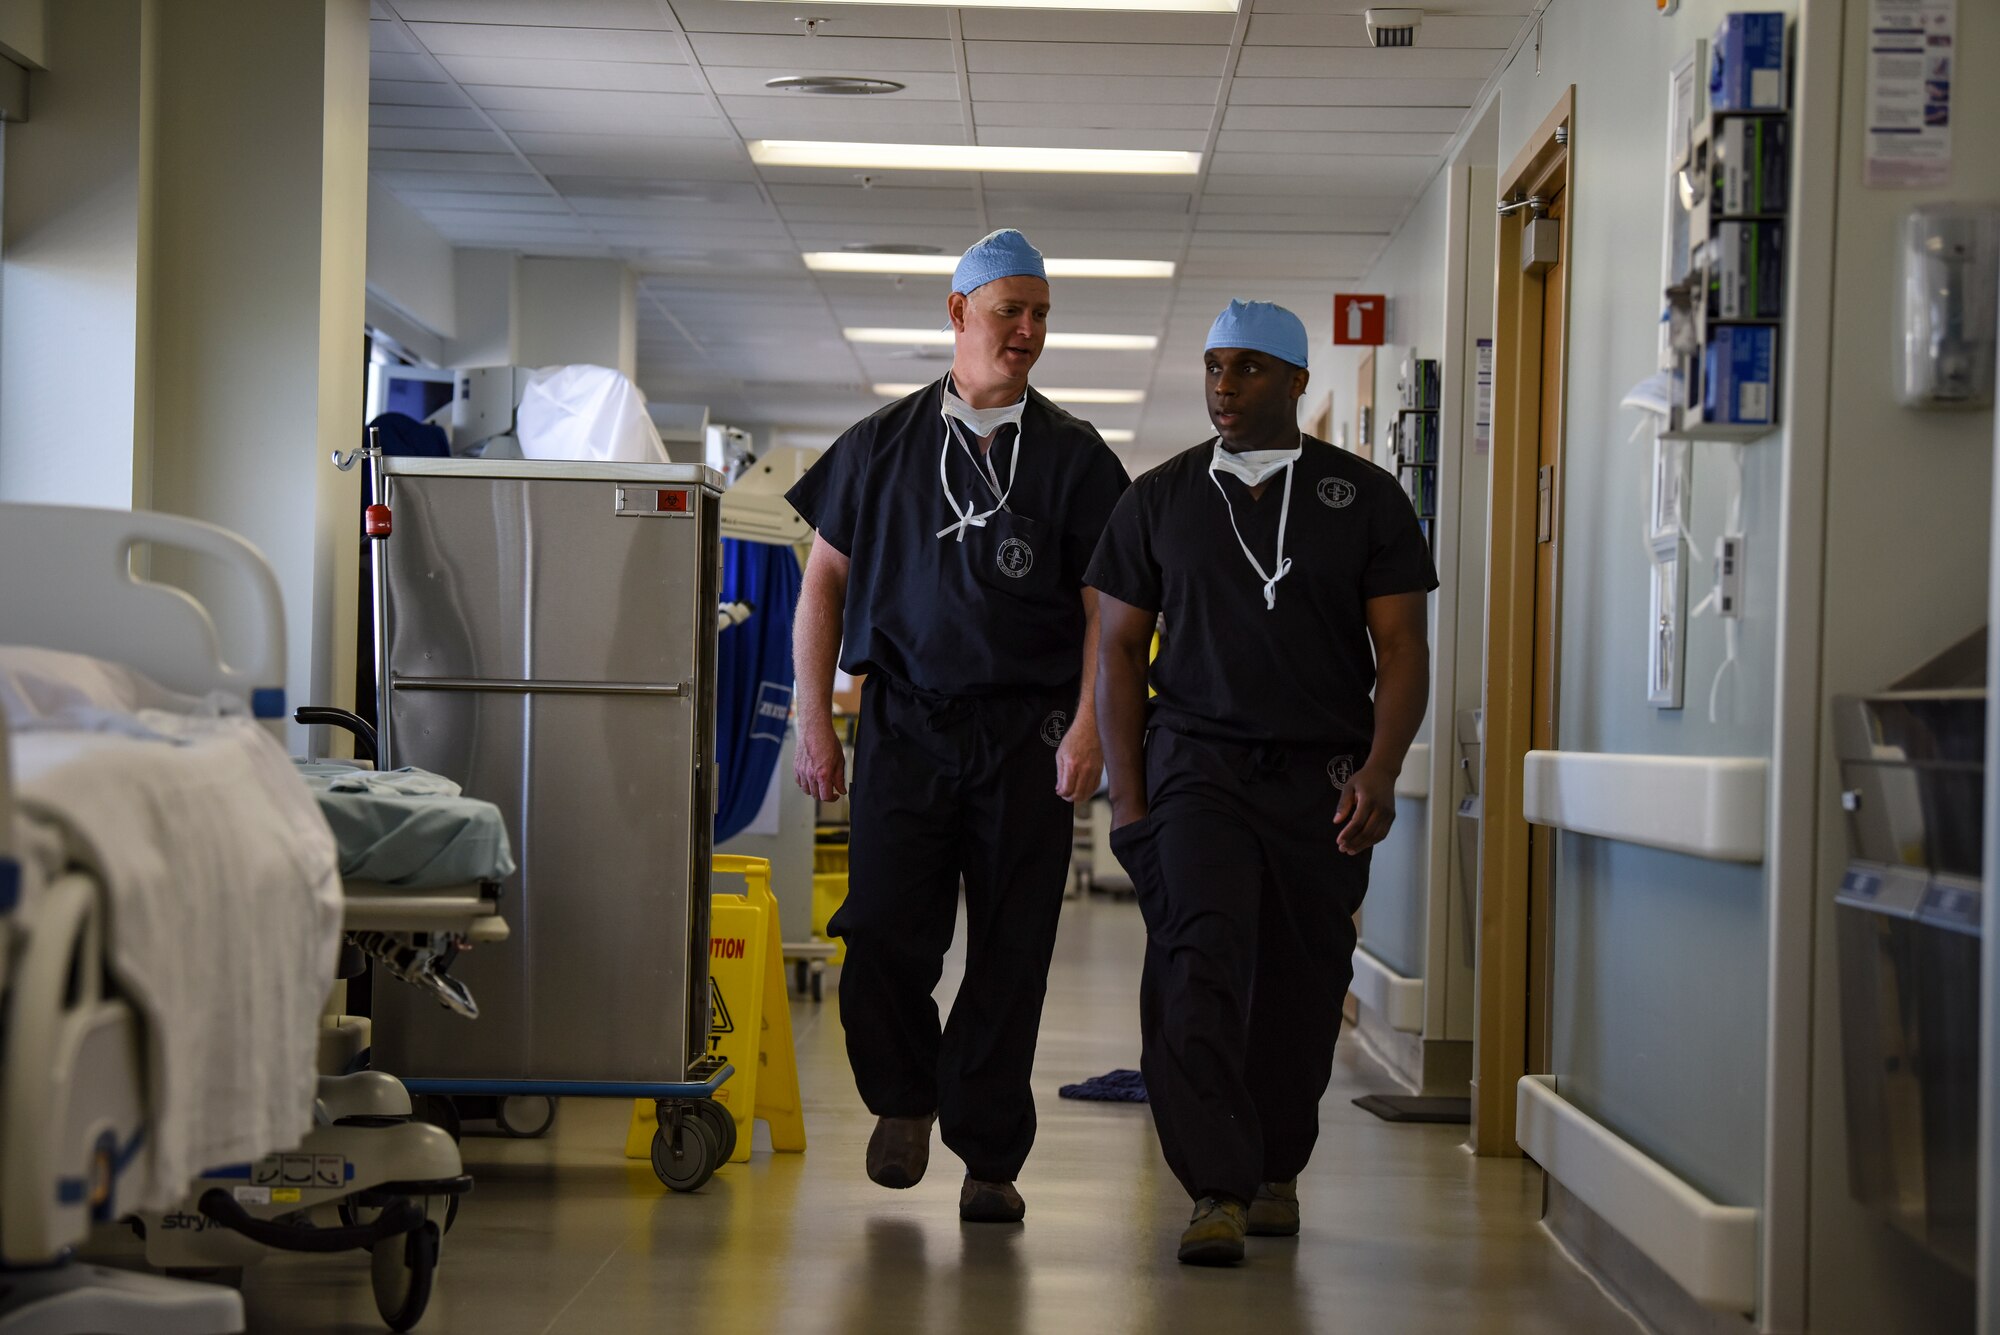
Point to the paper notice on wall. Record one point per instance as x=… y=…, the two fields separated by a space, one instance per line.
x=1482 y=397
x=1909 y=92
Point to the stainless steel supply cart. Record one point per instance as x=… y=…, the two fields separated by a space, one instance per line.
x=545 y=633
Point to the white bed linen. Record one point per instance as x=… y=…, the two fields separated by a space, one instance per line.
x=224 y=926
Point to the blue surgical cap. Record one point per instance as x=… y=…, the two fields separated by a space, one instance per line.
x=1262 y=326
x=1002 y=254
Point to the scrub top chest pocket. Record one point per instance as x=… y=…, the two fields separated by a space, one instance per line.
x=1015 y=555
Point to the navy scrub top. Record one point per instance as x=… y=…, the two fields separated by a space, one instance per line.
x=1302 y=672
x=1000 y=613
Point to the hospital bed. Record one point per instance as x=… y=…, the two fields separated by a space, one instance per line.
x=76 y=1125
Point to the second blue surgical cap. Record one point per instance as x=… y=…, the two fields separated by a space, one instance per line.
x=1263 y=326
x=1002 y=254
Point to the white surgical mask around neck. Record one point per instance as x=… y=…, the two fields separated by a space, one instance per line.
x=1254 y=466
x=983 y=421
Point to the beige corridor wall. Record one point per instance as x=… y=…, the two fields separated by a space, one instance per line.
x=69 y=274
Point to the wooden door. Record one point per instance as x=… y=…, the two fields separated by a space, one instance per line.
x=1514 y=1021
x=1364 y=409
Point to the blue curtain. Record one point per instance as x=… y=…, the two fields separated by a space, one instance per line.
x=753 y=702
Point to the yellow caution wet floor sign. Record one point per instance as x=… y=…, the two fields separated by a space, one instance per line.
x=750 y=1022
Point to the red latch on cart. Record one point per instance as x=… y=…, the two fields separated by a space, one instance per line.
x=375 y=521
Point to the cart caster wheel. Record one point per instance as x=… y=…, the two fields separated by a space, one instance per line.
x=801 y=976
x=402 y=1270
x=355 y=1215
x=439 y=1111
x=721 y=1124
x=526 y=1116
x=686 y=1166
x=819 y=985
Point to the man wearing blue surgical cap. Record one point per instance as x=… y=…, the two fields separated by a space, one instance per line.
x=953 y=528
x=1289 y=578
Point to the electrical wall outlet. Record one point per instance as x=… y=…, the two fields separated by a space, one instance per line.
x=1729 y=575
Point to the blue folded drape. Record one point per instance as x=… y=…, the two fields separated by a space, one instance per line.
x=753 y=702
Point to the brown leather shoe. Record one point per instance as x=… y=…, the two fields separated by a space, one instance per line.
x=990 y=1202
x=1274 y=1210
x=900 y=1150
x=1214 y=1235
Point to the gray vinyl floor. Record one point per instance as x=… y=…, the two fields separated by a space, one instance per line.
x=1404 y=1231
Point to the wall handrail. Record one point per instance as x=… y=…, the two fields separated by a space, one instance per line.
x=1704 y=806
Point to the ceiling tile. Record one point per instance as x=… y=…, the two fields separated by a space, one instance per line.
x=428 y=177
x=411 y=66
x=701 y=16
x=399 y=92
x=1435 y=120
x=389 y=160
x=822 y=55
x=1337 y=62
x=425 y=201
x=693 y=118
x=1356 y=142
x=388 y=37
x=1332 y=92
x=600 y=75
x=541 y=13
x=1003 y=25
x=565 y=43
x=428 y=118
x=1094 y=115
x=1009 y=136
x=481 y=140
x=1093 y=59
x=1066 y=88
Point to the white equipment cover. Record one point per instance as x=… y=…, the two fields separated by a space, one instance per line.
x=586 y=413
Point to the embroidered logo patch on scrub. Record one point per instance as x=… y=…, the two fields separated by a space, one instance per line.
x=1054 y=726
x=1016 y=558
x=1337 y=492
x=1340 y=769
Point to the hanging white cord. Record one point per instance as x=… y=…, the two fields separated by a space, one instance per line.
x=1284 y=515
x=967 y=517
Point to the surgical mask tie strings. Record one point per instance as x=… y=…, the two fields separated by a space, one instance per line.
x=1284 y=515
x=968 y=516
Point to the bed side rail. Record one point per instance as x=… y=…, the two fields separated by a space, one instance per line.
x=66 y=582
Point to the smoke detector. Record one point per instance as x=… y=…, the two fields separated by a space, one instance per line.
x=1393 y=27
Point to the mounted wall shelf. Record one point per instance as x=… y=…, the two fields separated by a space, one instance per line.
x=1398 y=1000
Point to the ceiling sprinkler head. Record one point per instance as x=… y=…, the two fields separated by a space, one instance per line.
x=1393 y=27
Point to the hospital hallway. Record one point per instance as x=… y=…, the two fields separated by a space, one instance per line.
x=1404 y=1231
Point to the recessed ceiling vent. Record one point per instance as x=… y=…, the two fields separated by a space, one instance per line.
x=833 y=85
x=1393 y=27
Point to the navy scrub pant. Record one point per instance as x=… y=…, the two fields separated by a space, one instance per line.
x=951 y=788
x=1250 y=938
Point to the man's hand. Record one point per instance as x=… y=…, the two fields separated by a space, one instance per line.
x=819 y=764
x=1367 y=809
x=1079 y=762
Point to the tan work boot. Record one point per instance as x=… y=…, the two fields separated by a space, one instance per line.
x=1274 y=1210
x=990 y=1202
x=900 y=1150
x=1214 y=1236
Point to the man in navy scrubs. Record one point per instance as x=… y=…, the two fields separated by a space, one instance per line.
x=953 y=529
x=1289 y=579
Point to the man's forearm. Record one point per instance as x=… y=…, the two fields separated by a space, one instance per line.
x=1086 y=696
x=1121 y=721
x=1402 y=683
x=816 y=628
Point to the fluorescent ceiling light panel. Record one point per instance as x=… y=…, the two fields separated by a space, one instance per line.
x=1117 y=435
x=1127 y=6
x=845 y=261
x=940 y=338
x=971 y=158
x=889 y=391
